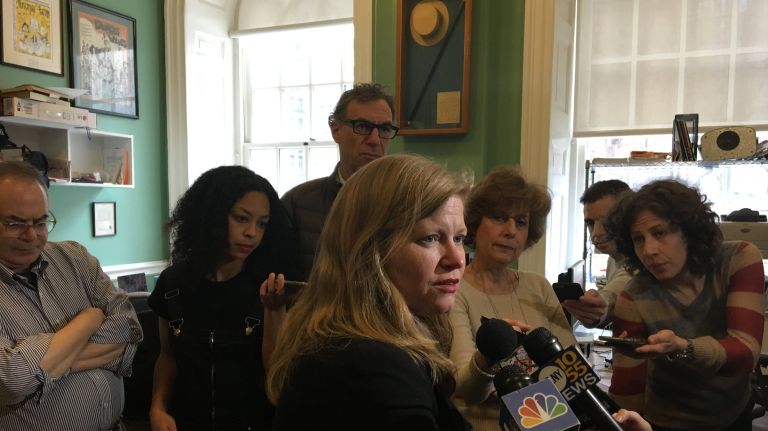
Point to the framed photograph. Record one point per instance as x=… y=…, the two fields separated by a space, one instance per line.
x=434 y=39
x=103 y=47
x=104 y=221
x=32 y=35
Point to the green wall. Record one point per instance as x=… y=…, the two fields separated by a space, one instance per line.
x=142 y=210
x=495 y=87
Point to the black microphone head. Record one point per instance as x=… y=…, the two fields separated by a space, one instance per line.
x=511 y=378
x=495 y=339
x=541 y=345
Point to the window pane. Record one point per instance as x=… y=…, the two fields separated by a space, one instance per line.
x=706 y=87
x=709 y=24
x=656 y=100
x=292 y=168
x=609 y=95
x=750 y=81
x=263 y=161
x=265 y=116
x=752 y=15
x=611 y=28
x=663 y=16
x=263 y=71
x=322 y=161
x=295 y=114
x=324 y=98
x=294 y=61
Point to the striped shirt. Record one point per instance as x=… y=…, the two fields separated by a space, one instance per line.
x=725 y=325
x=68 y=280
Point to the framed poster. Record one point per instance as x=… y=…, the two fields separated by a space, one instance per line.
x=433 y=58
x=32 y=36
x=104 y=221
x=103 y=47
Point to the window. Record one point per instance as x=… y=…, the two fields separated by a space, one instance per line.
x=292 y=80
x=640 y=62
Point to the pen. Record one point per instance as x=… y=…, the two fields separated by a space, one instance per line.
x=294 y=283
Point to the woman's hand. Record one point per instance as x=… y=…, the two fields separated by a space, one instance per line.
x=663 y=342
x=631 y=421
x=161 y=421
x=518 y=325
x=272 y=292
x=482 y=362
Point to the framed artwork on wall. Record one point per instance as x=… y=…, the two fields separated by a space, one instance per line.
x=104 y=219
x=103 y=48
x=32 y=36
x=434 y=39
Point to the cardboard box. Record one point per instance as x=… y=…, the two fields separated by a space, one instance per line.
x=16 y=107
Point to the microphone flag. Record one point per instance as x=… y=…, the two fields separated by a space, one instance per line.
x=570 y=372
x=540 y=407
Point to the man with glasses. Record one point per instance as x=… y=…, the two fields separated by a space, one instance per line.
x=362 y=125
x=67 y=336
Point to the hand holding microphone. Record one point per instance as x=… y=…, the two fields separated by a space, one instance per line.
x=573 y=376
x=496 y=340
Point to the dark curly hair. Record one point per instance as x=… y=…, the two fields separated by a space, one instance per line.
x=362 y=93
x=685 y=209
x=199 y=224
x=504 y=189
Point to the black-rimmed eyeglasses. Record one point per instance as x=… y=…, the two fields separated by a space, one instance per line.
x=363 y=127
x=18 y=228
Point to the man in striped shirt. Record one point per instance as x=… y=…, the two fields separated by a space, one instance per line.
x=67 y=336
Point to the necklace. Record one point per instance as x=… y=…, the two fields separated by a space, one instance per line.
x=514 y=299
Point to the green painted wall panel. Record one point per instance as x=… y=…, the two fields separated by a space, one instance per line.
x=495 y=87
x=141 y=211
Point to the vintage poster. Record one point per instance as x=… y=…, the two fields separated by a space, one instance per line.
x=104 y=44
x=32 y=34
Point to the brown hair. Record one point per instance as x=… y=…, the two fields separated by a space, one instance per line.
x=503 y=189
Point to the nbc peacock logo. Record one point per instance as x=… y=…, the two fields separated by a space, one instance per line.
x=540 y=408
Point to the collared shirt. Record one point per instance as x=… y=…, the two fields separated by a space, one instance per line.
x=69 y=280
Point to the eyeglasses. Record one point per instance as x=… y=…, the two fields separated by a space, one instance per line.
x=17 y=228
x=363 y=127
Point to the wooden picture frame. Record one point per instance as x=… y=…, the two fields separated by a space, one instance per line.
x=434 y=39
x=104 y=218
x=32 y=35
x=102 y=44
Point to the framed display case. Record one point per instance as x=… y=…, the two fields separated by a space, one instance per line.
x=433 y=66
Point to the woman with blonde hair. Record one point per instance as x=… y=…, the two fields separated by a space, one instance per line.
x=366 y=344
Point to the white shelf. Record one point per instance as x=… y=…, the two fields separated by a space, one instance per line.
x=76 y=151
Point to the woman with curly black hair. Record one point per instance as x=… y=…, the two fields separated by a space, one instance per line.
x=220 y=303
x=698 y=303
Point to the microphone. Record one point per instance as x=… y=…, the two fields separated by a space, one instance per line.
x=496 y=339
x=533 y=406
x=573 y=376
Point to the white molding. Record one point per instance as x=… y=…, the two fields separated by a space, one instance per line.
x=537 y=88
x=362 y=20
x=149 y=268
x=176 y=100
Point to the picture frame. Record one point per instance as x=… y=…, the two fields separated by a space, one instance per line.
x=434 y=39
x=32 y=34
x=104 y=218
x=103 y=47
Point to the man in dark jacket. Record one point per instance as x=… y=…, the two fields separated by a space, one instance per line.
x=362 y=125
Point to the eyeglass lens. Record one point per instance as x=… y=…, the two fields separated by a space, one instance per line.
x=362 y=127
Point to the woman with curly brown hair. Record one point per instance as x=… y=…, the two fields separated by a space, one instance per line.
x=696 y=300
